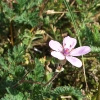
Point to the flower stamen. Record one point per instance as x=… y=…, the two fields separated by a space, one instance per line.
x=66 y=51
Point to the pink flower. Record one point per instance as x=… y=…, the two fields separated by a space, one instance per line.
x=67 y=51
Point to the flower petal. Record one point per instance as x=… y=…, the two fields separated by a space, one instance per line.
x=58 y=55
x=55 y=45
x=69 y=42
x=74 y=61
x=80 y=51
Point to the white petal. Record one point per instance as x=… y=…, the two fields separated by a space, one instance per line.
x=74 y=61
x=55 y=45
x=62 y=69
x=69 y=42
x=80 y=51
x=58 y=55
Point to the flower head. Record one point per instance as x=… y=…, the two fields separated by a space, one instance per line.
x=67 y=51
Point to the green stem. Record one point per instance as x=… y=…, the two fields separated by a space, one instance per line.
x=78 y=36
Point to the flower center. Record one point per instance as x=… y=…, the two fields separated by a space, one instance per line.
x=66 y=51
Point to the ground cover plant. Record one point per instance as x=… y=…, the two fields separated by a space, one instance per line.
x=49 y=50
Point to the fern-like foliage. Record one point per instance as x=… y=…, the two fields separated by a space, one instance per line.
x=38 y=74
x=15 y=57
x=95 y=49
x=66 y=91
x=10 y=67
x=18 y=96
